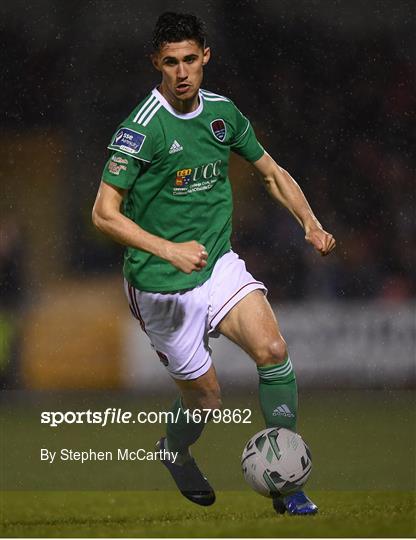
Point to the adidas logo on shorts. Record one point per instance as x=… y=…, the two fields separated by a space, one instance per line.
x=175 y=147
x=283 y=410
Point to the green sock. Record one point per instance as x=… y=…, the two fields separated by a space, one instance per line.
x=184 y=431
x=278 y=395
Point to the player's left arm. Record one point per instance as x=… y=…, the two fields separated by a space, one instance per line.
x=283 y=188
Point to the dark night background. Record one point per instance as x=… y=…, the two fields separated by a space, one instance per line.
x=329 y=87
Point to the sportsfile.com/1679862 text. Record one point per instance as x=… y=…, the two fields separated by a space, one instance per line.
x=113 y=415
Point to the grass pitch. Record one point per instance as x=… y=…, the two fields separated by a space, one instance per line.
x=235 y=514
x=363 y=478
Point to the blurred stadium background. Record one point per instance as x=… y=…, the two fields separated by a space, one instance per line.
x=330 y=90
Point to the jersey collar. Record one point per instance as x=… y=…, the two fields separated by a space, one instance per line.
x=183 y=116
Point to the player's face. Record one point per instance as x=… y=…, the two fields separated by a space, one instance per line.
x=181 y=65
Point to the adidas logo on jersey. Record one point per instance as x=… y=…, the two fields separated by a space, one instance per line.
x=283 y=410
x=175 y=147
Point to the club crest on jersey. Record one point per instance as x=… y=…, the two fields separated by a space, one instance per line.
x=219 y=129
x=128 y=140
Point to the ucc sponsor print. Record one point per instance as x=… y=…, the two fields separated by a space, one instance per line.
x=199 y=178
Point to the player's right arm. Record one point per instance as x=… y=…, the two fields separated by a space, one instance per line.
x=108 y=218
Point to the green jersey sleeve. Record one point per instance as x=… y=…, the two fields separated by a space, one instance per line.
x=244 y=141
x=131 y=152
x=121 y=170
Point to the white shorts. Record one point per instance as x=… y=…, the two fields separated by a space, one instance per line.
x=179 y=324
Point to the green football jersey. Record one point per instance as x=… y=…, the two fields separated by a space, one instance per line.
x=175 y=168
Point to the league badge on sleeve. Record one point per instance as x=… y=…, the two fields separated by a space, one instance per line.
x=219 y=129
x=128 y=140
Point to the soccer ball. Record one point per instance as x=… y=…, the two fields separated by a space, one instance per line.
x=276 y=461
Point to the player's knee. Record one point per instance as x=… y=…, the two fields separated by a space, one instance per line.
x=273 y=352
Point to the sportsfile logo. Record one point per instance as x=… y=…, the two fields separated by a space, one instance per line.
x=113 y=415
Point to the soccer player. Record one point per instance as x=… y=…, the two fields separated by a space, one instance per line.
x=165 y=194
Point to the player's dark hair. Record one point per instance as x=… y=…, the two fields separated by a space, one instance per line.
x=174 y=27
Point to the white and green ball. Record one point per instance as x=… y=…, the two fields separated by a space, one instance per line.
x=276 y=461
